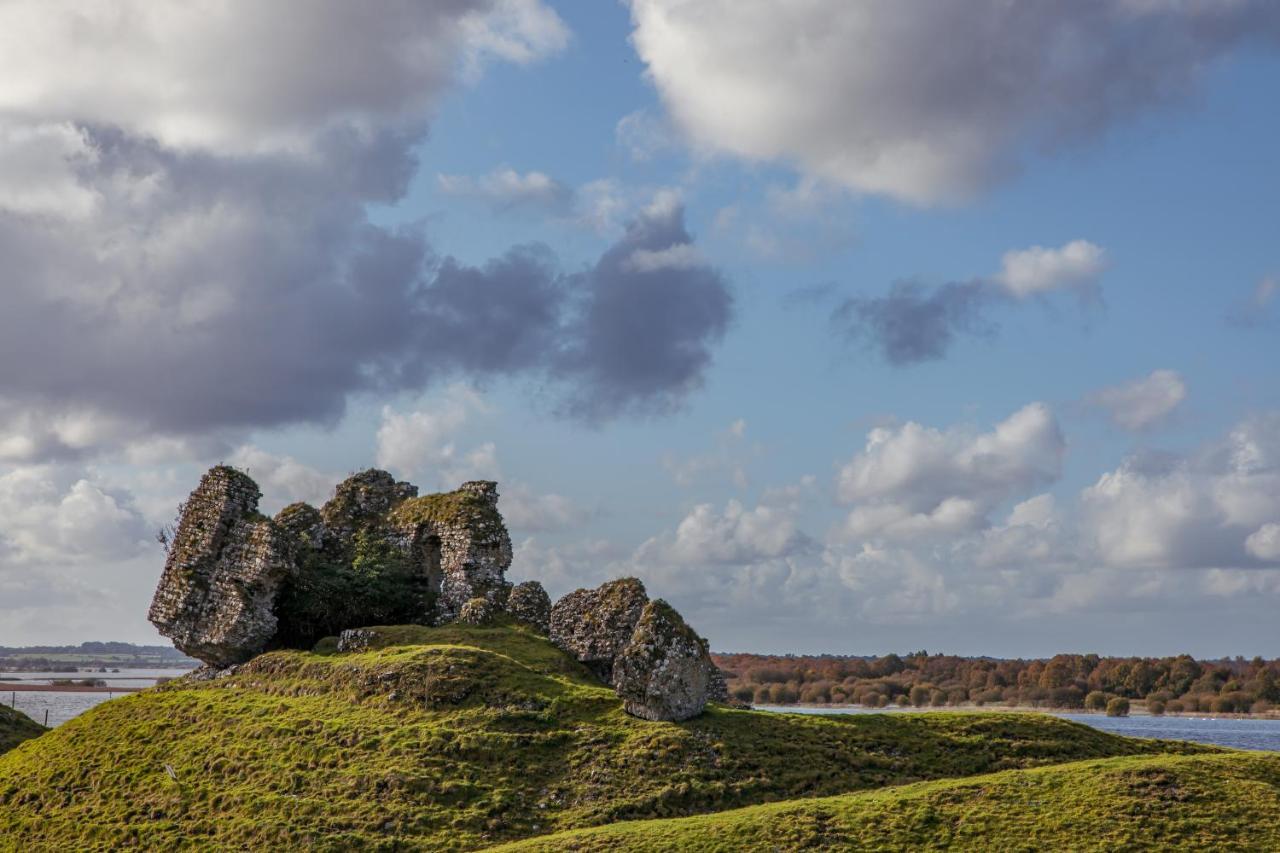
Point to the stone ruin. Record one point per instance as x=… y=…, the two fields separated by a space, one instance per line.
x=237 y=583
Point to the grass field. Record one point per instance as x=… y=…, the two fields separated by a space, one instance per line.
x=463 y=737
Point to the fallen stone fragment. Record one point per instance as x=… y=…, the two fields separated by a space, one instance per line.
x=595 y=625
x=665 y=671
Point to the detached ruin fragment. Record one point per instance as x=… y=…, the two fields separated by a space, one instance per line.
x=237 y=583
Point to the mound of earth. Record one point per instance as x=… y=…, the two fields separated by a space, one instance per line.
x=15 y=727
x=1226 y=801
x=460 y=737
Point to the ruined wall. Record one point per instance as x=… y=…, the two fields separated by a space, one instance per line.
x=225 y=568
x=237 y=583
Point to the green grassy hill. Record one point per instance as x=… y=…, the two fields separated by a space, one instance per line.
x=460 y=738
x=15 y=727
x=1189 y=802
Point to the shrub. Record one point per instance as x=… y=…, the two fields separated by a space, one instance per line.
x=1095 y=701
x=1174 y=706
x=1155 y=707
x=1118 y=706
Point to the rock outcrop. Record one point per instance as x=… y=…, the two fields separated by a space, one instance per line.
x=660 y=667
x=595 y=625
x=665 y=672
x=237 y=583
x=530 y=604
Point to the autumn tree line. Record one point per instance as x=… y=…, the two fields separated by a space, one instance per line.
x=1086 y=682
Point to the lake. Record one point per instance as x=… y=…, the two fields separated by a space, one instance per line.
x=1238 y=733
x=63 y=706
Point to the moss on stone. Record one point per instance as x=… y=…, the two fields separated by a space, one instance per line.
x=447 y=508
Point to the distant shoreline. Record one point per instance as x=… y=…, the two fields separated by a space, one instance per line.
x=1137 y=710
x=22 y=687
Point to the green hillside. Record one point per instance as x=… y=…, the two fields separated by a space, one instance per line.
x=1189 y=802
x=15 y=727
x=458 y=738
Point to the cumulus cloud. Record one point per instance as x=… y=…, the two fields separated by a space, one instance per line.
x=187 y=250
x=914 y=480
x=52 y=515
x=282 y=478
x=507 y=189
x=1145 y=402
x=162 y=72
x=527 y=511
x=1214 y=508
x=916 y=322
x=425 y=440
x=1037 y=270
x=860 y=94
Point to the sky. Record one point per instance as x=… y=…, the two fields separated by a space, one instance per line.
x=847 y=327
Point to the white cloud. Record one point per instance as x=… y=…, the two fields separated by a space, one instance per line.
x=413 y=442
x=734 y=535
x=283 y=479
x=162 y=70
x=643 y=136
x=507 y=189
x=1144 y=402
x=528 y=511
x=681 y=256
x=1264 y=543
x=914 y=479
x=1029 y=272
x=861 y=94
x=1207 y=509
x=52 y=515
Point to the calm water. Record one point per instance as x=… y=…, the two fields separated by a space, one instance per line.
x=63 y=706
x=1237 y=733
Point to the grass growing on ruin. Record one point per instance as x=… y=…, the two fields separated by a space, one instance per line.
x=15 y=727
x=1166 y=802
x=457 y=738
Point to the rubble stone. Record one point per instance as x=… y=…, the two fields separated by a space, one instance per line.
x=476 y=611
x=595 y=625
x=529 y=603
x=665 y=670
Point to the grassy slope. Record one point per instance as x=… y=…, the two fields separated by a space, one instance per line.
x=1189 y=802
x=466 y=737
x=15 y=727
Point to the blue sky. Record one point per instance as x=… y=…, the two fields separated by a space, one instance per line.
x=1074 y=447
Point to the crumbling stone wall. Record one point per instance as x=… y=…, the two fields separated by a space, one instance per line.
x=464 y=531
x=225 y=568
x=237 y=583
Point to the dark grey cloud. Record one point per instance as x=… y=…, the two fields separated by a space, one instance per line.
x=190 y=254
x=649 y=314
x=206 y=292
x=915 y=323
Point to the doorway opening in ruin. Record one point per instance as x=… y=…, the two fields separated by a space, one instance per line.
x=431 y=554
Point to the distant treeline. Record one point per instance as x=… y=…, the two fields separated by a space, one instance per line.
x=68 y=658
x=1172 y=684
